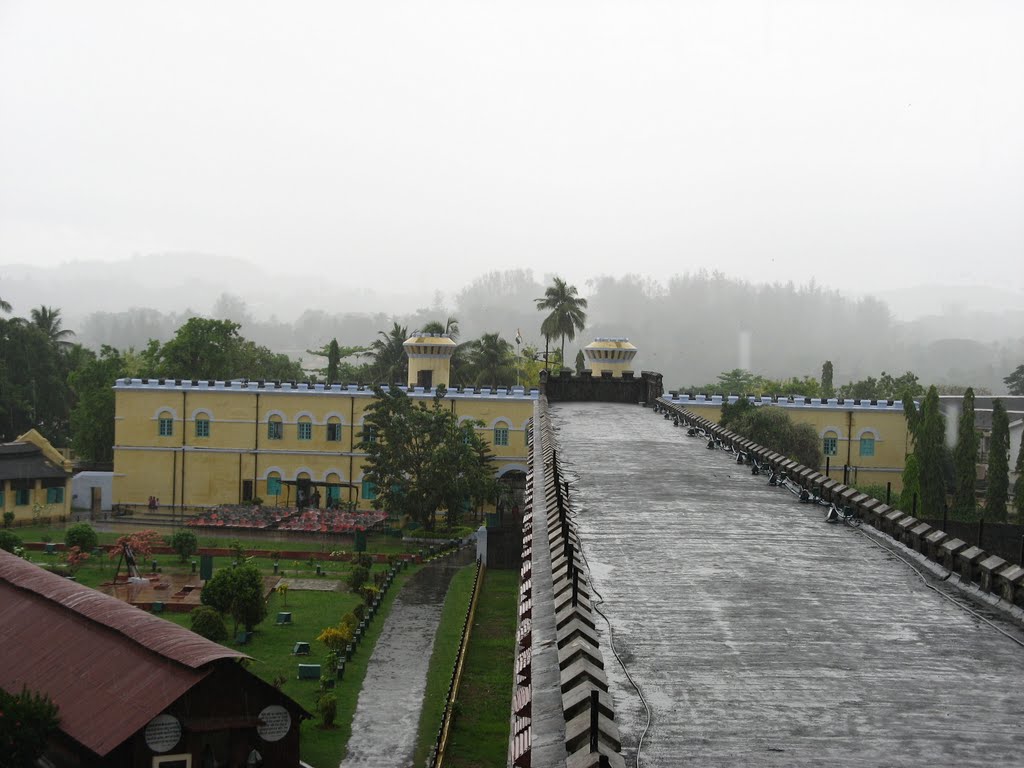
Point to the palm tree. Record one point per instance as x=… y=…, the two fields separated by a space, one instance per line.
x=47 y=319
x=491 y=360
x=567 y=315
x=5 y=306
x=389 y=361
x=449 y=329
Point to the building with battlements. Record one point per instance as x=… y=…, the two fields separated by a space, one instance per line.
x=192 y=443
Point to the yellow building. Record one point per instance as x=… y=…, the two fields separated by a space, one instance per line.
x=869 y=437
x=35 y=479
x=204 y=443
x=609 y=356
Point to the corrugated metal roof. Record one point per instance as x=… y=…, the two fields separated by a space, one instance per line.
x=109 y=666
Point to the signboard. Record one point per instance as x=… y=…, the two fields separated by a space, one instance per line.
x=162 y=733
x=274 y=723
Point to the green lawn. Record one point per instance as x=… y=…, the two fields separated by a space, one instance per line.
x=479 y=736
x=271 y=649
x=442 y=659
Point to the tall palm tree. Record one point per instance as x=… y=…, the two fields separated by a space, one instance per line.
x=5 y=306
x=567 y=315
x=491 y=360
x=47 y=319
x=388 y=353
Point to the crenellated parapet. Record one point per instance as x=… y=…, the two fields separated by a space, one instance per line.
x=562 y=711
x=567 y=386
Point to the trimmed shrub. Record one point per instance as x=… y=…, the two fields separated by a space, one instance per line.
x=185 y=544
x=81 y=535
x=327 y=708
x=8 y=541
x=362 y=560
x=357 y=577
x=208 y=622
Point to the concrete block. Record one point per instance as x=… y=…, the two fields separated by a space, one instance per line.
x=577 y=733
x=576 y=629
x=890 y=520
x=968 y=561
x=933 y=541
x=901 y=531
x=524 y=661
x=585 y=759
x=576 y=650
x=578 y=700
x=583 y=673
x=988 y=569
x=916 y=537
x=1009 y=583
x=949 y=549
x=570 y=614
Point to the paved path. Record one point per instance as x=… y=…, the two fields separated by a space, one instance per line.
x=388 y=711
x=762 y=636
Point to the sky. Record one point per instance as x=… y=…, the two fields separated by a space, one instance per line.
x=403 y=144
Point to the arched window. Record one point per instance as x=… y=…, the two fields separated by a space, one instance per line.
x=305 y=428
x=275 y=428
x=166 y=424
x=501 y=434
x=334 y=430
x=333 y=489
x=867 y=444
x=830 y=444
x=274 y=484
x=369 y=490
x=202 y=426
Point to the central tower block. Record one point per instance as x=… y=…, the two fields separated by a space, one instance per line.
x=430 y=359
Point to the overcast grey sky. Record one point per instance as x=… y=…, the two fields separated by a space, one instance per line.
x=864 y=144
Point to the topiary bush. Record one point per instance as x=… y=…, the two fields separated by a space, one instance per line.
x=208 y=622
x=185 y=544
x=81 y=535
x=9 y=542
x=357 y=577
x=327 y=708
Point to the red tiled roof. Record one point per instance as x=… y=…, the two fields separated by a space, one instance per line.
x=110 y=667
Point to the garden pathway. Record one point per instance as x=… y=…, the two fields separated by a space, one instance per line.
x=388 y=711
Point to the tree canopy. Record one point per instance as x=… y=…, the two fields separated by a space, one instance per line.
x=966 y=460
x=567 y=314
x=997 y=493
x=1015 y=381
x=421 y=459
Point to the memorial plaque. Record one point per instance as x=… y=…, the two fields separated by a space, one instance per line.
x=274 y=723
x=162 y=733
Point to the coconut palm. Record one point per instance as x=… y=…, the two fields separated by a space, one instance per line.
x=491 y=360
x=389 y=361
x=567 y=312
x=47 y=319
x=5 y=306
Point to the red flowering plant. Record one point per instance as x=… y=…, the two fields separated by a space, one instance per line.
x=141 y=543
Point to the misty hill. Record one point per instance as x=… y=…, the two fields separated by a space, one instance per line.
x=689 y=327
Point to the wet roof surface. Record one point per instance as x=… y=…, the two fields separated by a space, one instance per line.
x=762 y=636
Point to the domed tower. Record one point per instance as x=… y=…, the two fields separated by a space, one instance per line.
x=609 y=354
x=430 y=359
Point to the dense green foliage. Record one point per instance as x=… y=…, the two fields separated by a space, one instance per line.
x=208 y=622
x=930 y=449
x=773 y=428
x=421 y=459
x=1015 y=381
x=237 y=592
x=9 y=541
x=1018 y=484
x=997 y=493
x=827 y=388
x=185 y=544
x=27 y=721
x=81 y=535
x=966 y=460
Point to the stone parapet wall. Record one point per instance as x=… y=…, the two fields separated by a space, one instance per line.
x=562 y=711
x=971 y=565
x=566 y=386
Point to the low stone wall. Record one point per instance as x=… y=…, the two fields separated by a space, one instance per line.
x=975 y=566
x=562 y=712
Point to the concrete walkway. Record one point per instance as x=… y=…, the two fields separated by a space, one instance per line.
x=388 y=711
x=763 y=636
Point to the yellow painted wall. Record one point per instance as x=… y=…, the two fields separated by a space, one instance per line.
x=186 y=469
x=889 y=427
x=37 y=494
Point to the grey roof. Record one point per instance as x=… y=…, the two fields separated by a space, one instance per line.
x=25 y=461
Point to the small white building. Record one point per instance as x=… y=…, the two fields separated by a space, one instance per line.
x=92 y=491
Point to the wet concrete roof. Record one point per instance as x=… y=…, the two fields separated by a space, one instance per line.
x=762 y=636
